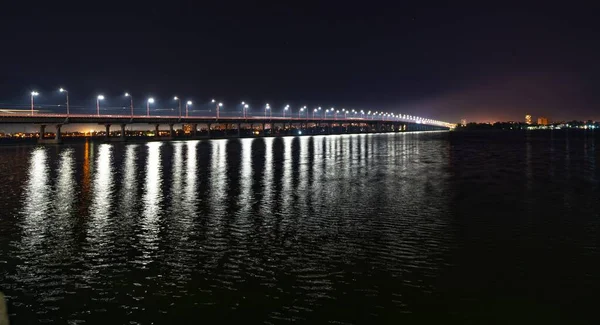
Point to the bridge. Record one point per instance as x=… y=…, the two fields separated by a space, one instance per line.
x=224 y=126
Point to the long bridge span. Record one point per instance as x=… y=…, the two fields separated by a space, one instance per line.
x=222 y=126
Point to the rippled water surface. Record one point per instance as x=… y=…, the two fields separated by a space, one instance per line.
x=425 y=227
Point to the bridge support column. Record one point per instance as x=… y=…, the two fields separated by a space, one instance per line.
x=239 y=130
x=42 y=131
x=171 y=131
x=156 y=130
x=58 y=136
x=123 y=132
x=264 y=129
x=208 y=128
x=107 y=132
x=194 y=130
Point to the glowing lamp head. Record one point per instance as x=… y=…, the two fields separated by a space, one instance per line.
x=220 y=104
x=243 y=103
x=62 y=90
x=189 y=102
x=212 y=101
x=100 y=97
x=127 y=95
x=150 y=100
x=175 y=98
x=34 y=93
x=246 y=106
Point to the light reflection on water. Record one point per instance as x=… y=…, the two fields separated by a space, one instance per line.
x=346 y=229
x=36 y=198
x=152 y=198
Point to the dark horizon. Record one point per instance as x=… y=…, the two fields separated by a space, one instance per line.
x=444 y=63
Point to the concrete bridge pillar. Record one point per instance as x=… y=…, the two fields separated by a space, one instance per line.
x=171 y=131
x=156 y=130
x=194 y=130
x=239 y=130
x=208 y=128
x=58 y=137
x=264 y=129
x=107 y=132
x=42 y=131
x=123 y=132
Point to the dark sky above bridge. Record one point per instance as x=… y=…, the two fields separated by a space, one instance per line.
x=450 y=62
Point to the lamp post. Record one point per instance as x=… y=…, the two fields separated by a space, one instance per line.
x=314 y=111
x=62 y=90
x=245 y=110
x=33 y=94
x=267 y=107
x=130 y=102
x=285 y=109
x=218 y=106
x=178 y=104
x=98 y=99
x=336 y=113
x=300 y=111
x=150 y=101
x=187 y=106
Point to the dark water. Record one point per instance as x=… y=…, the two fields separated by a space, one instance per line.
x=461 y=228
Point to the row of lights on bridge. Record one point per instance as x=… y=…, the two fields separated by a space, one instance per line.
x=245 y=107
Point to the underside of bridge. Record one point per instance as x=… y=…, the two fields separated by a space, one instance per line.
x=50 y=128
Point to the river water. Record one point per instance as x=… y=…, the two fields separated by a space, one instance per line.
x=443 y=227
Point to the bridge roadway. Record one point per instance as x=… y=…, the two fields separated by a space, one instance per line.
x=316 y=125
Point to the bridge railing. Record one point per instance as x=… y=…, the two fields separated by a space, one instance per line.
x=173 y=112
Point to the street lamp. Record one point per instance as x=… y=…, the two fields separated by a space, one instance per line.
x=219 y=105
x=285 y=109
x=179 y=104
x=336 y=113
x=62 y=90
x=150 y=101
x=300 y=111
x=245 y=109
x=130 y=102
x=33 y=94
x=267 y=107
x=187 y=105
x=98 y=99
x=314 y=111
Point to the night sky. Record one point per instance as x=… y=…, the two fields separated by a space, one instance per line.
x=476 y=62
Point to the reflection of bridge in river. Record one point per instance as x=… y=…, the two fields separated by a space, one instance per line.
x=213 y=127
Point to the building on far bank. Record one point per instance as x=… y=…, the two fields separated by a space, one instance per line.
x=528 y=119
x=187 y=128
x=542 y=121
